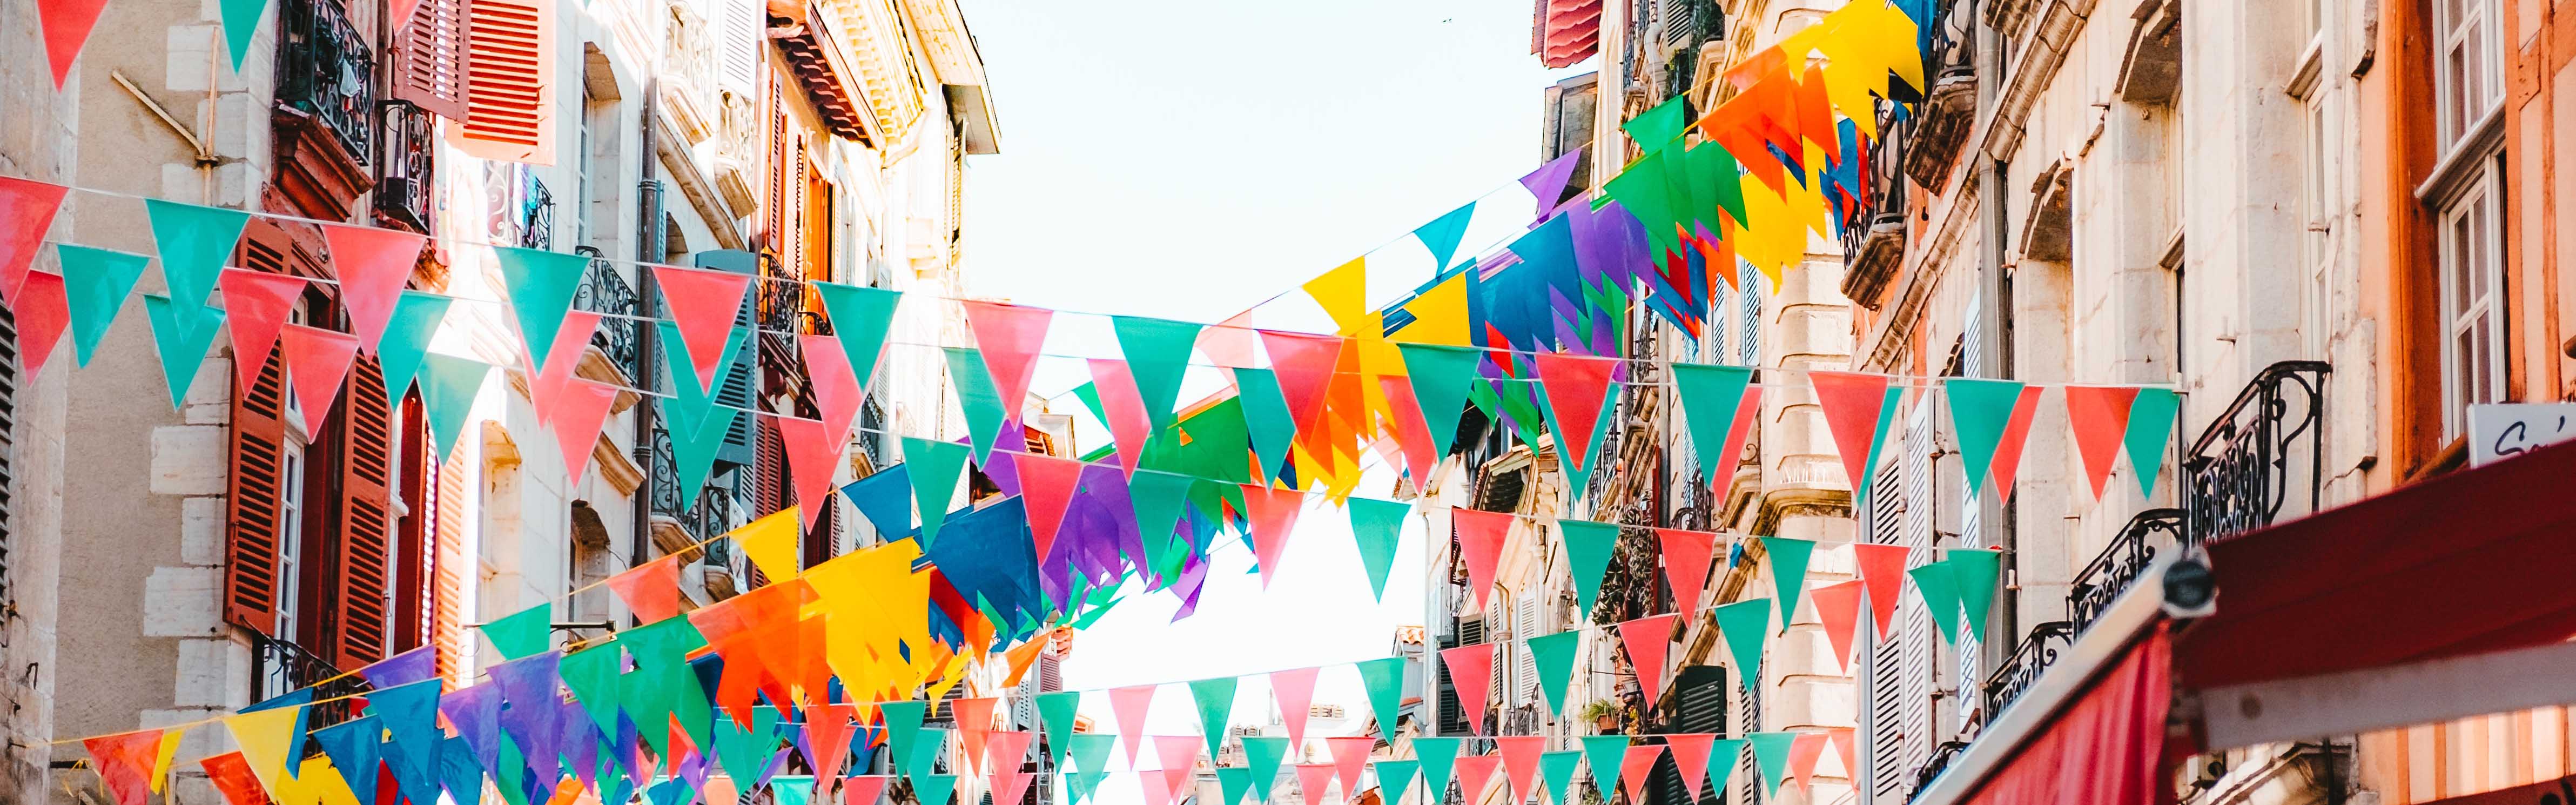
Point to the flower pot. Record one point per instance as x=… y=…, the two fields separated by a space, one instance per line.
x=1606 y=723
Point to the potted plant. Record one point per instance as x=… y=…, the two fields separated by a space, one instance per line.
x=1604 y=714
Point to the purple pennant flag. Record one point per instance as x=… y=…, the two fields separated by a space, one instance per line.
x=476 y=712
x=777 y=763
x=580 y=740
x=693 y=769
x=528 y=685
x=1005 y=474
x=803 y=739
x=416 y=665
x=1192 y=582
x=1548 y=182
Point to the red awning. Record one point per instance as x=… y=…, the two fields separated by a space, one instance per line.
x=1566 y=31
x=2106 y=747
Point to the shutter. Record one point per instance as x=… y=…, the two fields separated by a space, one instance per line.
x=1748 y=349
x=252 y=490
x=447 y=623
x=1895 y=665
x=9 y=380
x=737 y=388
x=429 y=58
x=769 y=463
x=773 y=220
x=1524 y=666
x=363 y=585
x=415 y=532
x=1451 y=722
x=745 y=28
x=509 y=95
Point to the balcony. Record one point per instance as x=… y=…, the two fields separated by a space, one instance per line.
x=2022 y=668
x=604 y=290
x=1949 y=107
x=324 y=118
x=1875 y=244
x=404 y=170
x=536 y=214
x=1932 y=769
x=2121 y=563
x=2262 y=454
x=280 y=667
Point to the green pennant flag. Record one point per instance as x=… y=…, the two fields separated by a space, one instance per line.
x=742 y=751
x=1745 y=624
x=513 y=777
x=1383 y=678
x=1441 y=236
x=1158 y=353
x=1376 y=525
x=241 y=21
x=1436 y=756
x=541 y=285
x=1588 y=546
x=95 y=284
x=195 y=242
x=1442 y=377
x=860 y=316
x=1158 y=497
x=1940 y=596
x=1771 y=753
x=2151 y=422
x=1656 y=128
x=1232 y=783
x=1262 y=754
x=591 y=675
x=525 y=633
x=645 y=693
x=1603 y=753
x=1642 y=191
x=784 y=789
x=1979 y=412
x=689 y=705
x=181 y=334
x=448 y=386
x=981 y=402
x=1056 y=713
x=903 y=728
x=1715 y=173
x=407 y=333
x=1723 y=756
x=1553 y=656
x=1878 y=438
x=1679 y=190
x=692 y=401
x=926 y=748
x=694 y=452
x=1266 y=418
x=1974 y=575
x=1788 y=572
x=1557 y=768
x=1090 y=752
x=1215 y=698
x=936 y=466
x=1395 y=778
x=933 y=789
x=1711 y=397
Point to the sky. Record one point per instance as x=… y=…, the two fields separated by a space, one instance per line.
x=1190 y=159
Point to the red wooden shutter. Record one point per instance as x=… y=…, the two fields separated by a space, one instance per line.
x=509 y=97
x=774 y=219
x=414 y=533
x=429 y=58
x=447 y=618
x=769 y=477
x=365 y=555
x=258 y=447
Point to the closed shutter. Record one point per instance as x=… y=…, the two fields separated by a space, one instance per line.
x=429 y=58
x=1699 y=705
x=1894 y=665
x=415 y=532
x=1748 y=349
x=745 y=28
x=769 y=475
x=9 y=380
x=447 y=622
x=738 y=387
x=509 y=95
x=1524 y=666
x=773 y=217
x=363 y=587
x=253 y=489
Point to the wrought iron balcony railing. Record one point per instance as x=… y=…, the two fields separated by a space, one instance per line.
x=603 y=290
x=1874 y=236
x=2120 y=564
x=2262 y=454
x=280 y=667
x=404 y=167
x=1931 y=769
x=1949 y=105
x=719 y=507
x=323 y=69
x=2022 y=668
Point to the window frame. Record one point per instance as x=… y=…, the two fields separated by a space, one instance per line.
x=2481 y=193
x=2455 y=121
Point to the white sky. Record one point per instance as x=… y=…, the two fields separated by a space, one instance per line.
x=1188 y=159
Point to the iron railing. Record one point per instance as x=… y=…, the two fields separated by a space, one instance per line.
x=323 y=67
x=280 y=667
x=536 y=215
x=1948 y=109
x=2021 y=669
x=717 y=508
x=2263 y=453
x=405 y=168
x=603 y=291
x=2120 y=564
x=1931 y=769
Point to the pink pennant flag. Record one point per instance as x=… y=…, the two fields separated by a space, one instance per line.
x=1803 y=753
x=1313 y=779
x=1476 y=775
x=864 y=789
x=1520 y=762
x=1229 y=343
x=1746 y=412
x=1851 y=403
x=1047 y=484
x=1304 y=363
x=1411 y=433
x=1882 y=574
x=1129 y=705
x=974 y=723
x=1838 y=605
x=704 y=304
x=1686 y=563
x=1009 y=337
x=1121 y=404
x=1471 y=671
x=1635 y=767
x=838 y=391
x=1295 y=689
x=813 y=460
x=1008 y=788
x=650 y=590
x=1350 y=757
x=1646 y=639
x=827 y=731
x=581 y=409
x=256 y=304
x=1274 y=515
x=44 y=311
x=1155 y=792
x=318 y=360
x=563 y=359
x=1005 y=750
x=1480 y=545
x=1179 y=755
x=1576 y=385
x=1841 y=737
x=2099 y=416
x=717 y=788
x=373 y=264
x=27 y=207
x=1690 y=757
x=2007 y=459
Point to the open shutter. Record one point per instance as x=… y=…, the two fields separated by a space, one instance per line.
x=251 y=524
x=1524 y=666
x=769 y=469
x=415 y=532
x=509 y=95
x=361 y=589
x=447 y=621
x=743 y=29
x=429 y=58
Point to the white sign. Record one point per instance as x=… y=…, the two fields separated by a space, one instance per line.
x=2511 y=429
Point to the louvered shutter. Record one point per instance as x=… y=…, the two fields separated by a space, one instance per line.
x=415 y=540
x=362 y=589
x=744 y=30
x=429 y=58
x=447 y=623
x=1748 y=349
x=254 y=480
x=737 y=389
x=509 y=95
x=1525 y=666
x=1895 y=664
x=769 y=463
x=1699 y=705
x=9 y=381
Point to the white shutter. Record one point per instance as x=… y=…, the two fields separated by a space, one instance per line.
x=745 y=27
x=1895 y=669
x=1525 y=666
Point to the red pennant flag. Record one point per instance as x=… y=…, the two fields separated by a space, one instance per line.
x=1005 y=750
x=124 y=763
x=1803 y=753
x=1746 y=412
x=1841 y=737
x=1313 y=780
x=1295 y=689
x=974 y=722
x=67 y=26
x=1851 y=404
x=812 y=459
x=1576 y=385
x=1155 y=793
x=1305 y=364
x=704 y=304
x=232 y=776
x=1130 y=704
x=1009 y=336
x=1008 y=787
x=866 y=789
x=2016 y=435
x=1839 y=606
x=44 y=312
x=1480 y=545
x=2099 y=415
x=1124 y=407
x=562 y=360
x=1686 y=563
x=1047 y=484
x=1635 y=767
x=317 y=360
x=1471 y=671
x=1646 y=639
x=1179 y=755
x=1350 y=757
x=1520 y=763
x=650 y=590
x=27 y=207
x=1882 y=574
x=838 y=391
x=373 y=265
x=256 y=304
x=1274 y=515
x=1690 y=757
x=1411 y=433
x=1476 y=775
x=581 y=409
x=827 y=729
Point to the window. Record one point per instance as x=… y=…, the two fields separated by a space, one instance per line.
x=1749 y=348
x=2467 y=73
x=2472 y=312
x=290 y=532
x=2317 y=164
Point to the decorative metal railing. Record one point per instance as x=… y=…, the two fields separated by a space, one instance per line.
x=2265 y=452
x=536 y=215
x=405 y=166
x=2121 y=563
x=323 y=69
x=280 y=667
x=1931 y=769
x=2021 y=669
x=604 y=291
x=1948 y=109
x=716 y=511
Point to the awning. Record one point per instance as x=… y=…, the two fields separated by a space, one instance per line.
x=2107 y=747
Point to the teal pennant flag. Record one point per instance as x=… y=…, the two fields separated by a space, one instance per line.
x=1745 y=624
x=415 y=320
x=1158 y=354
x=1974 y=575
x=448 y=386
x=1980 y=410
x=692 y=402
x=1771 y=754
x=241 y=21
x=1656 y=128
x=980 y=402
x=1215 y=698
x=1056 y=715
x=1232 y=782
x=1557 y=768
x=1377 y=525
x=195 y=242
x=591 y=675
x=525 y=633
x=1711 y=397
x=1437 y=756
x=1442 y=377
x=903 y=728
x=1603 y=753
x=1588 y=546
x=541 y=286
x=1395 y=778
x=1552 y=656
x=934 y=789
x=860 y=317
x=2151 y=422
x=936 y=467
x=1158 y=498
x=1262 y=755
x=1266 y=418
x=1940 y=593
x=694 y=452
x=95 y=284
x=1383 y=678
x=181 y=334
x=1788 y=559
x=1723 y=756
x=1442 y=235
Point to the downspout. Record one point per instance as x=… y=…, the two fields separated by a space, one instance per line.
x=650 y=238
x=1995 y=350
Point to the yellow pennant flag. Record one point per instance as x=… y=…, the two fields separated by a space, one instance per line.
x=1343 y=293
x=266 y=737
x=771 y=543
x=1439 y=315
x=161 y=762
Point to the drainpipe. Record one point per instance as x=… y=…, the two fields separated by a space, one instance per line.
x=650 y=237
x=1994 y=317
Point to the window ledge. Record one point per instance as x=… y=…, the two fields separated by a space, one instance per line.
x=2457 y=168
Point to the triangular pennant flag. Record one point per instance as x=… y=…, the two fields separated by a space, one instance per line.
x=1056 y=716
x=1882 y=573
x=1376 y=525
x=541 y=286
x=902 y=722
x=862 y=789
x=1266 y=418
x=194 y=242
x=410 y=715
x=935 y=468
x=1215 y=699
x=1646 y=640
x=181 y=335
x=1304 y=365
x=372 y=264
x=1711 y=396
x=1552 y=656
x=1158 y=353
x=1480 y=545
x=1442 y=377
x=27 y=207
x=1579 y=394
x=1980 y=412
x=1588 y=546
x=1557 y=770
x=95 y=284
x=1745 y=624
x=1852 y=406
x=650 y=590
x=2151 y=422
x=812 y=459
x=979 y=400
x=1048 y=484
x=1724 y=754
x=232 y=777
x=43 y=315
x=974 y=721
x=1403 y=419
x=860 y=316
x=448 y=386
x=406 y=340
x=1471 y=671
x=1273 y=512
x=1841 y=738
x=1394 y=779
x=927 y=748
x=241 y=22
x=256 y=305
x=934 y=789
x=1940 y=595
x=1232 y=783
x=1732 y=453
x=2099 y=415
x=885 y=498
x=1008 y=787
x=1547 y=183
x=1342 y=293
x=124 y=763
x=580 y=412
x=1383 y=679
x=522 y=634
x=704 y=304
x=1262 y=755
x=1690 y=757
x=1006 y=750
x=1130 y=705
x=1771 y=755
x=1009 y=337
x=1313 y=780
x=1476 y=775
x=1686 y=564
x=1838 y=605
x=1804 y=751
x=1178 y=756
x=839 y=392
x=1520 y=762
x=1637 y=769
x=1604 y=754
x=268 y=740
x=1975 y=574
x=1437 y=756
x=355 y=748
x=591 y=676
x=770 y=544
x=2016 y=435
x=1295 y=690
x=1788 y=558
x=1442 y=235
x=317 y=361
x=1122 y=410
